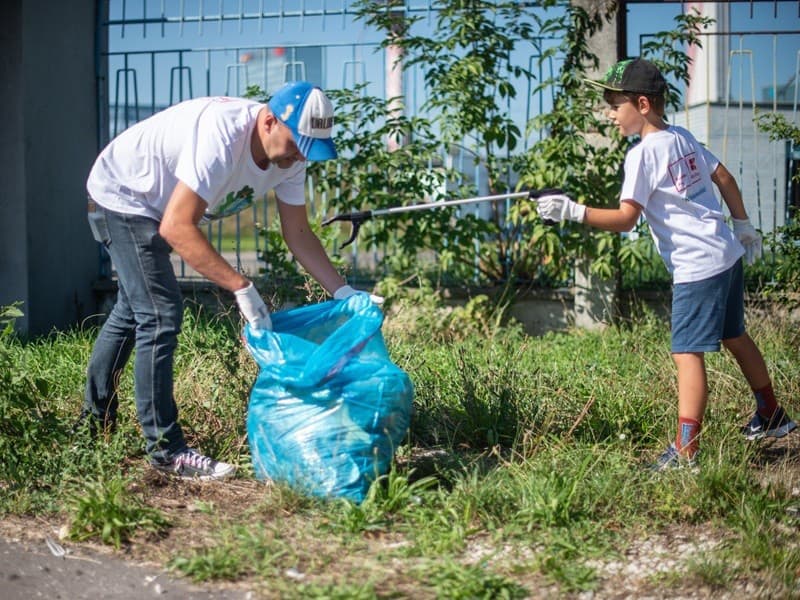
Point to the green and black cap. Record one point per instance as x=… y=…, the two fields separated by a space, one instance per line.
x=635 y=75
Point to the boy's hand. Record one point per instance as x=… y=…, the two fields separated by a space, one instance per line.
x=749 y=238
x=560 y=207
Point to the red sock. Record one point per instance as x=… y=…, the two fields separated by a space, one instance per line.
x=688 y=434
x=765 y=401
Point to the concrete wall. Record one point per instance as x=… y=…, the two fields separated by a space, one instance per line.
x=48 y=259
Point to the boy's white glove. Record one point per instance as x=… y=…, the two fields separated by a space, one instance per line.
x=559 y=207
x=252 y=307
x=346 y=291
x=749 y=238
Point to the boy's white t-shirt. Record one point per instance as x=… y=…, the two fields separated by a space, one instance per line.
x=669 y=174
x=205 y=143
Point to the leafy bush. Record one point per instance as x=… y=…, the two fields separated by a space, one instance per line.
x=777 y=276
x=30 y=430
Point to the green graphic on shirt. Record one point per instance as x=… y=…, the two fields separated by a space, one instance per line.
x=233 y=203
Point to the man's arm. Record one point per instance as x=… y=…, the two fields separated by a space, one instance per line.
x=730 y=191
x=306 y=247
x=179 y=228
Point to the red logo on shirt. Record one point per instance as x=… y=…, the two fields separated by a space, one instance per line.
x=684 y=172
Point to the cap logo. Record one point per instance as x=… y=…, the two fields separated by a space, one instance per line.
x=321 y=122
x=615 y=72
x=287 y=113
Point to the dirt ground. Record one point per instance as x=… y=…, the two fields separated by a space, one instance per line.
x=30 y=566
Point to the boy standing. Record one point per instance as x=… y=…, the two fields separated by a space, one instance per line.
x=668 y=177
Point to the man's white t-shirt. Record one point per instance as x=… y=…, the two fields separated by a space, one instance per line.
x=205 y=143
x=669 y=174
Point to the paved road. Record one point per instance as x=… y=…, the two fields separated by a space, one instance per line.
x=30 y=570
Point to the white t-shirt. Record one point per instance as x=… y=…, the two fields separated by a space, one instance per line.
x=669 y=174
x=205 y=143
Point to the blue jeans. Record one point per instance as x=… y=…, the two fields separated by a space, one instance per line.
x=147 y=315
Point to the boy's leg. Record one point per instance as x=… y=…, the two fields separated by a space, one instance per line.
x=698 y=316
x=770 y=420
x=735 y=338
x=751 y=362
x=692 y=400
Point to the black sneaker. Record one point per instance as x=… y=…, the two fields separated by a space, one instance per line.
x=777 y=426
x=190 y=464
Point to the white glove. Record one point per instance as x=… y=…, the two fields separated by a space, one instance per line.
x=749 y=238
x=346 y=291
x=560 y=207
x=253 y=308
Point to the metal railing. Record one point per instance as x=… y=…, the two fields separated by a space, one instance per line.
x=143 y=81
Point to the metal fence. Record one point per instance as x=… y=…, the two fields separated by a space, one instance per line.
x=160 y=53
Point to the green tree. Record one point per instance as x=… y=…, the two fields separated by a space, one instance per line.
x=470 y=79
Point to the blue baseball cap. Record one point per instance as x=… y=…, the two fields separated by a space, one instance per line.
x=308 y=113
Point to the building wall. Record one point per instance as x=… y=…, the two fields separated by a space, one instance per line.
x=13 y=216
x=48 y=260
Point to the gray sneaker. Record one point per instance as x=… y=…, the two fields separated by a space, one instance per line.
x=190 y=464
x=672 y=459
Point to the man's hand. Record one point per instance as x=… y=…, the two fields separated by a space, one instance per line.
x=559 y=207
x=749 y=238
x=346 y=291
x=253 y=308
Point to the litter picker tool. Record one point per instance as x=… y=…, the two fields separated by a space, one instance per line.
x=359 y=217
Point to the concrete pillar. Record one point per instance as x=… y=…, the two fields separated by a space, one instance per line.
x=595 y=297
x=48 y=260
x=394 y=77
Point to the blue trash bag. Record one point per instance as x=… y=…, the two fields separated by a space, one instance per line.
x=329 y=408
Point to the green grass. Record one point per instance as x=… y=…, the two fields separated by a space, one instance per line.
x=522 y=470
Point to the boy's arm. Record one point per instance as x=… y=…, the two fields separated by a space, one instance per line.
x=730 y=192
x=560 y=207
x=742 y=228
x=619 y=219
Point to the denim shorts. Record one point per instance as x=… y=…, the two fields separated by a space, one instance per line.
x=705 y=312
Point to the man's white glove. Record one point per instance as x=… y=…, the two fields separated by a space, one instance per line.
x=253 y=308
x=559 y=207
x=346 y=291
x=749 y=238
